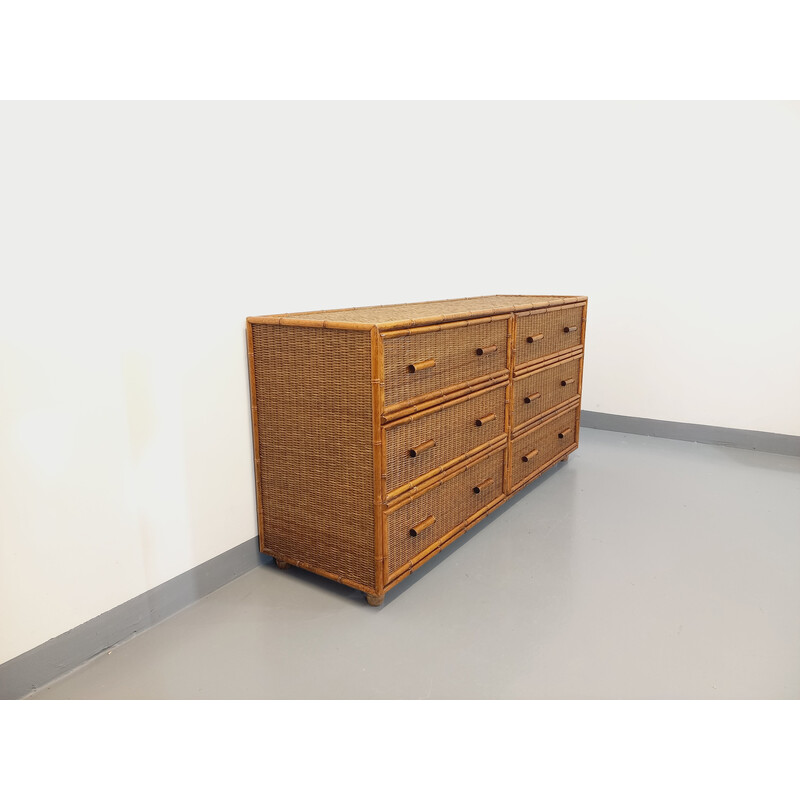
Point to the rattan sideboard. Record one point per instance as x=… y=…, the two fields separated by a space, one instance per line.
x=381 y=434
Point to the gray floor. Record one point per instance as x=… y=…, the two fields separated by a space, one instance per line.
x=642 y=568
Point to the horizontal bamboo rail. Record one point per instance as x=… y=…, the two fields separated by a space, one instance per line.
x=447 y=539
x=422 y=482
x=463 y=323
x=531 y=425
x=396 y=410
x=543 y=363
x=543 y=468
x=440 y=477
x=437 y=406
x=319 y=571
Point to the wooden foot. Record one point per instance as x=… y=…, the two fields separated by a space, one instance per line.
x=281 y=564
x=374 y=599
x=566 y=458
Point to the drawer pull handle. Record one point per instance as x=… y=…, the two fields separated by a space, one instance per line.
x=426 y=523
x=531 y=397
x=421 y=448
x=565 y=433
x=532 y=339
x=420 y=365
x=568 y=381
x=528 y=456
x=483 y=485
x=571 y=329
x=481 y=351
x=484 y=420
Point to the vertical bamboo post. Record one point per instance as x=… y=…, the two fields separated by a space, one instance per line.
x=256 y=449
x=580 y=377
x=378 y=460
x=510 y=363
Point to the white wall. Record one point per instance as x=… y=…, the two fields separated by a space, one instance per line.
x=135 y=238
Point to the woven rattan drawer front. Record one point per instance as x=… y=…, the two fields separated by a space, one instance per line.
x=431 y=362
x=543 y=334
x=534 y=449
x=415 y=526
x=536 y=393
x=424 y=444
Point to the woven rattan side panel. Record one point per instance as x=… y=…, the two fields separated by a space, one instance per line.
x=314 y=412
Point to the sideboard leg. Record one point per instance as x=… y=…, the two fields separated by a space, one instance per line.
x=566 y=458
x=281 y=564
x=374 y=599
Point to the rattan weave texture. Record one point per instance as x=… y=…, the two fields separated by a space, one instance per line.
x=454 y=353
x=545 y=440
x=487 y=305
x=550 y=326
x=453 y=430
x=314 y=415
x=543 y=390
x=450 y=503
x=341 y=398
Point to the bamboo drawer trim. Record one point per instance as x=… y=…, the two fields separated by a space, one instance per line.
x=393 y=317
x=539 y=392
x=447 y=395
x=548 y=333
x=435 y=361
x=541 y=445
x=430 y=516
x=428 y=443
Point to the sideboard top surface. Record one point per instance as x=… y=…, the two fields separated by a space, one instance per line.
x=409 y=314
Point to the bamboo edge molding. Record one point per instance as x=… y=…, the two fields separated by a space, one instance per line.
x=381 y=434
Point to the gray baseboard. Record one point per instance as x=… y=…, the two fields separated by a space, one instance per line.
x=55 y=658
x=782 y=443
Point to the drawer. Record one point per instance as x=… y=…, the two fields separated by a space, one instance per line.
x=430 y=361
x=545 y=333
x=421 y=445
x=533 y=450
x=426 y=519
x=537 y=392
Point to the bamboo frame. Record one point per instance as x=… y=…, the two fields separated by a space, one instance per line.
x=404 y=420
x=560 y=354
x=464 y=323
x=545 y=363
x=385 y=418
x=542 y=302
x=378 y=456
x=428 y=480
x=463 y=466
x=522 y=430
x=425 y=401
x=256 y=450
